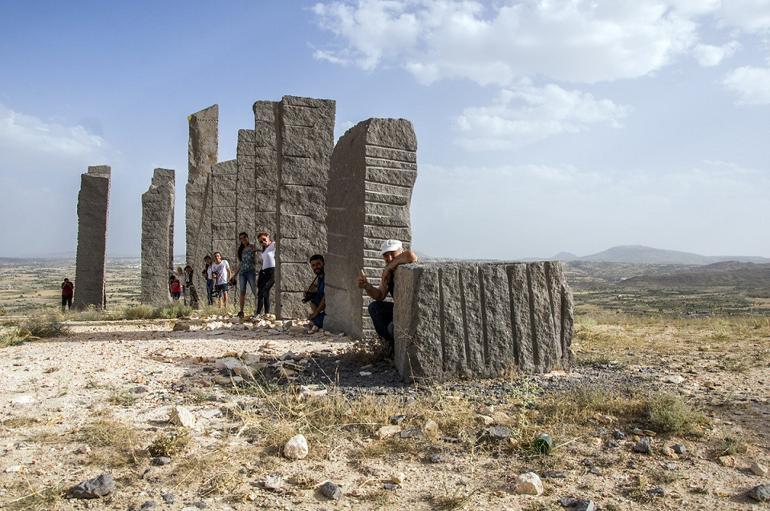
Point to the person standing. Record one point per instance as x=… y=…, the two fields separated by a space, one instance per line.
x=316 y=294
x=67 y=291
x=267 y=273
x=219 y=272
x=247 y=269
x=189 y=285
x=176 y=289
x=381 y=311
x=209 y=281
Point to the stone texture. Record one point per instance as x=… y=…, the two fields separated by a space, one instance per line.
x=224 y=236
x=93 y=206
x=292 y=144
x=157 y=238
x=373 y=170
x=201 y=156
x=475 y=319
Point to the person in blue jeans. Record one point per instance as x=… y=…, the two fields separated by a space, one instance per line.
x=315 y=294
x=380 y=310
x=247 y=269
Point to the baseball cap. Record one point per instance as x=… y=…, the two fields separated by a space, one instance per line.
x=390 y=246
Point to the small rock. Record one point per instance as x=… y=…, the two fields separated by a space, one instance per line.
x=364 y=373
x=595 y=471
x=396 y=420
x=23 y=400
x=680 y=449
x=554 y=474
x=390 y=486
x=397 y=478
x=182 y=416
x=673 y=378
x=95 y=488
x=411 y=433
x=330 y=491
x=388 y=431
x=529 y=484
x=618 y=435
x=657 y=491
x=437 y=458
x=160 y=460
x=502 y=418
x=543 y=443
x=758 y=470
x=141 y=389
x=643 y=446
x=83 y=449
x=228 y=364
x=726 y=461
x=573 y=504
x=147 y=505
x=430 y=428
x=312 y=391
x=201 y=504
x=273 y=483
x=668 y=452
x=498 y=432
x=760 y=493
x=296 y=448
x=168 y=498
x=485 y=419
x=13 y=469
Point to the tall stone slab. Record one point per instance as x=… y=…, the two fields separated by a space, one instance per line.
x=373 y=171
x=201 y=155
x=157 y=238
x=306 y=140
x=224 y=235
x=472 y=319
x=266 y=151
x=93 y=206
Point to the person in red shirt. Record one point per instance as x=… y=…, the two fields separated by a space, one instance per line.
x=176 y=289
x=67 y=290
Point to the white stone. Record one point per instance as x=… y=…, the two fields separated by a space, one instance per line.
x=274 y=483
x=228 y=363
x=758 y=470
x=296 y=448
x=13 y=469
x=673 y=378
x=430 y=428
x=529 y=484
x=182 y=416
x=397 y=478
x=23 y=400
x=312 y=391
x=388 y=431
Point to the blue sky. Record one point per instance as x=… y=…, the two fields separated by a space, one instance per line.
x=542 y=126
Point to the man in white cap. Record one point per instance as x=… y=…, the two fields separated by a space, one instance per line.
x=381 y=311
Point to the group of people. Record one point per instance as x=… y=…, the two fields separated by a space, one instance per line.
x=220 y=276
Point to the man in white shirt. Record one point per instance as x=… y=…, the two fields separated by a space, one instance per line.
x=219 y=272
x=266 y=277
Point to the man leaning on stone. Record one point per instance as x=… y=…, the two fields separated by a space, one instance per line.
x=381 y=311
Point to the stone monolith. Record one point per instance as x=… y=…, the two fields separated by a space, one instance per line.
x=158 y=238
x=93 y=207
x=373 y=170
x=474 y=319
x=202 y=154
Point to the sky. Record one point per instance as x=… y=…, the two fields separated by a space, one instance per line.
x=542 y=126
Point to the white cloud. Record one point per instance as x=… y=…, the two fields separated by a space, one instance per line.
x=568 y=40
x=21 y=133
x=525 y=114
x=747 y=15
x=750 y=84
x=709 y=55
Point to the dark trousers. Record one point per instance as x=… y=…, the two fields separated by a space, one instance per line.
x=210 y=291
x=265 y=282
x=382 y=317
x=66 y=302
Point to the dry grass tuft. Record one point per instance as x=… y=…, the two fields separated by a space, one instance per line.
x=169 y=443
x=215 y=472
x=114 y=443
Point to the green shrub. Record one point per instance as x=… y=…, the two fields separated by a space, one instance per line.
x=175 y=311
x=141 y=312
x=670 y=414
x=47 y=324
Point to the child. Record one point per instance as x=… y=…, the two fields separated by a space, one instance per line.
x=176 y=289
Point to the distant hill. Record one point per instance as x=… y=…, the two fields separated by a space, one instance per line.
x=731 y=273
x=639 y=254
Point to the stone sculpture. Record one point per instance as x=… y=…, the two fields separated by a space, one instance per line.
x=202 y=154
x=158 y=238
x=93 y=206
x=223 y=210
x=471 y=319
x=373 y=170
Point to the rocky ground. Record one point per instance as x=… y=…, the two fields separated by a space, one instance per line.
x=197 y=414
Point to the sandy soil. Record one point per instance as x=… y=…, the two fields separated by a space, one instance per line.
x=135 y=372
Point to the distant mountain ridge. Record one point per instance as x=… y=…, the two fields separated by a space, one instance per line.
x=733 y=274
x=640 y=254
